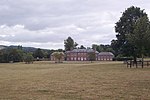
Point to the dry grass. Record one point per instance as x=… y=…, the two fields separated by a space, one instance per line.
x=73 y=81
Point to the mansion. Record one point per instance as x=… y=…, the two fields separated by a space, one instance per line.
x=83 y=55
x=79 y=54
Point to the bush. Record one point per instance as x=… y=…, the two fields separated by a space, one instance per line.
x=28 y=58
x=122 y=58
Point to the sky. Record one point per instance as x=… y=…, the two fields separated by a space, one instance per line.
x=47 y=23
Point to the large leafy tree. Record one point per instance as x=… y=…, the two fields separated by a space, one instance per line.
x=38 y=53
x=140 y=37
x=28 y=58
x=58 y=56
x=115 y=46
x=124 y=27
x=91 y=56
x=69 y=44
x=11 y=54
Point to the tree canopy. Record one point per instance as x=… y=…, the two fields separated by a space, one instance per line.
x=124 y=27
x=28 y=58
x=11 y=54
x=69 y=44
x=82 y=47
x=102 y=48
x=140 y=37
x=58 y=56
x=38 y=53
x=91 y=56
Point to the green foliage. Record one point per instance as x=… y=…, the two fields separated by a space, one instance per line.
x=125 y=27
x=102 y=48
x=38 y=53
x=10 y=54
x=69 y=44
x=140 y=37
x=28 y=58
x=122 y=58
x=115 y=47
x=91 y=56
x=58 y=56
x=82 y=47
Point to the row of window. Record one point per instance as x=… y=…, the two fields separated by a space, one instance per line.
x=85 y=58
x=104 y=57
x=78 y=59
x=77 y=54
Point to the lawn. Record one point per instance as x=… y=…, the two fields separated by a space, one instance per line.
x=73 y=81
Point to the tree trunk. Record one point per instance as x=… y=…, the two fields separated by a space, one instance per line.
x=135 y=61
x=142 y=60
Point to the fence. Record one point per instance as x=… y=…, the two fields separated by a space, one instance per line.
x=131 y=63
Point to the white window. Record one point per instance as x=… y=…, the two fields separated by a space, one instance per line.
x=79 y=58
x=68 y=59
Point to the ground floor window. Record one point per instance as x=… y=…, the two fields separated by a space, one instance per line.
x=78 y=59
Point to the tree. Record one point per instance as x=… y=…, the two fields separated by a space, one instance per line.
x=82 y=47
x=140 y=37
x=115 y=46
x=11 y=54
x=38 y=53
x=124 y=27
x=91 y=56
x=95 y=47
x=58 y=56
x=69 y=44
x=16 y=55
x=28 y=58
x=102 y=48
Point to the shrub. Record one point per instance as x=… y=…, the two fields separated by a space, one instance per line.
x=122 y=58
x=28 y=58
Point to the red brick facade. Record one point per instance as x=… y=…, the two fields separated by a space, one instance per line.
x=79 y=54
x=105 y=56
x=82 y=55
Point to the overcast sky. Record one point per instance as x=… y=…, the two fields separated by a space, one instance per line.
x=47 y=23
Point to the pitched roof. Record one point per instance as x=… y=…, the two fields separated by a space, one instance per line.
x=82 y=50
x=106 y=53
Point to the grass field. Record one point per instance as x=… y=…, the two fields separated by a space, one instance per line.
x=73 y=81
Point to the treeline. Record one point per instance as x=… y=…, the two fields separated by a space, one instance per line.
x=70 y=44
x=18 y=54
x=103 y=48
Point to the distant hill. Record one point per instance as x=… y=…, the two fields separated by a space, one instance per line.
x=2 y=47
x=25 y=49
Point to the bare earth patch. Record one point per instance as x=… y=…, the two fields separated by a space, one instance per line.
x=73 y=81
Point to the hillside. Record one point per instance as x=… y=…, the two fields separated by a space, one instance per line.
x=25 y=49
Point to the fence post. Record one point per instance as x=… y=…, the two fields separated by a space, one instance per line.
x=130 y=63
x=142 y=64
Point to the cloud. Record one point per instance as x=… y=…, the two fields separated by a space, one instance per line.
x=18 y=34
x=46 y=23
